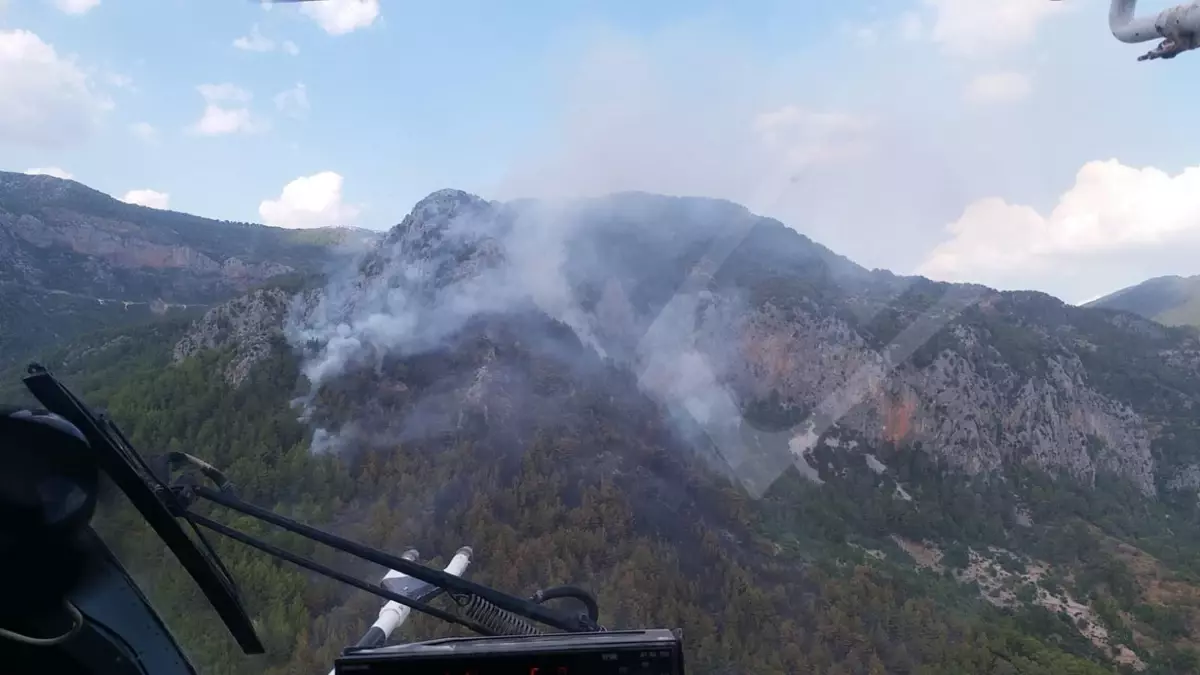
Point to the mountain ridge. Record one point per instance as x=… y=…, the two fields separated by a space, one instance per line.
x=73 y=258
x=1171 y=300
x=757 y=407
x=995 y=349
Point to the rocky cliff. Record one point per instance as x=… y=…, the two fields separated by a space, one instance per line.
x=774 y=338
x=248 y=325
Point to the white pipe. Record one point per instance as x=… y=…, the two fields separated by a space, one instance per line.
x=393 y=614
x=1181 y=19
x=1125 y=27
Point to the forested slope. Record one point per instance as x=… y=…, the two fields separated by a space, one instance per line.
x=747 y=602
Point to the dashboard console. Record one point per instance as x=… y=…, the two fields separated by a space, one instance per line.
x=637 y=652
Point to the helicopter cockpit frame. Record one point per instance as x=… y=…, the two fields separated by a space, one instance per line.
x=70 y=607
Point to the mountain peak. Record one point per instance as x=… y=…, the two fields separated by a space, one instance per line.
x=1171 y=300
x=41 y=188
x=448 y=203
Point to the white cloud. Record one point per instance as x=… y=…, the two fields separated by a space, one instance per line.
x=977 y=27
x=45 y=99
x=255 y=41
x=905 y=28
x=50 y=171
x=221 y=93
x=911 y=26
x=150 y=198
x=225 y=111
x=1112 y=210
x=120 y=81
x=871 y=154
x=218 y=121
x=866 y=35
x=293 y=102
x=144 y=131
x=339 y=17
x=76 y=6
x=309 y=201
x=1002 y=87
x=640 y=115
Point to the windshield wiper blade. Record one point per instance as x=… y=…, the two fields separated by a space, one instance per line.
x=151 y=497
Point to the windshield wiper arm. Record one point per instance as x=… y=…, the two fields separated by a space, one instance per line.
x=474 y=597
x=117 y=458
x=480 y=608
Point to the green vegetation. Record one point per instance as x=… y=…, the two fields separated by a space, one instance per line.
x=31 y=318
x=1075 y=528
x=710 y=563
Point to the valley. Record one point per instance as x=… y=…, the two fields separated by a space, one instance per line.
x=73 y=259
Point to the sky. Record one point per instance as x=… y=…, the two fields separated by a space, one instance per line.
x=1014 y=144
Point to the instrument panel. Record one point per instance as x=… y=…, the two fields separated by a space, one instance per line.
x=642 y=652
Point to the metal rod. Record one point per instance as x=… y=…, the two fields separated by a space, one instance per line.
x=271 y=549
x=436 y=577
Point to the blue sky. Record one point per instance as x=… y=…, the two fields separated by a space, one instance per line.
x=429 y=95
x=1015 y=143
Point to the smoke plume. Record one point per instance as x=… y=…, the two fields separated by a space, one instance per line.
x=457 y=257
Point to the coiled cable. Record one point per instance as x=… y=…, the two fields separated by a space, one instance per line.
x=500 y=621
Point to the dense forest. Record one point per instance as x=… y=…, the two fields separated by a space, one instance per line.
x=785 y=584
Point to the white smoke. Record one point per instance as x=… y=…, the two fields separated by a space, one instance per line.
x=323 y=442
x=457 y=257
x=389 y=302
x=677 y=366
x=454 y=258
